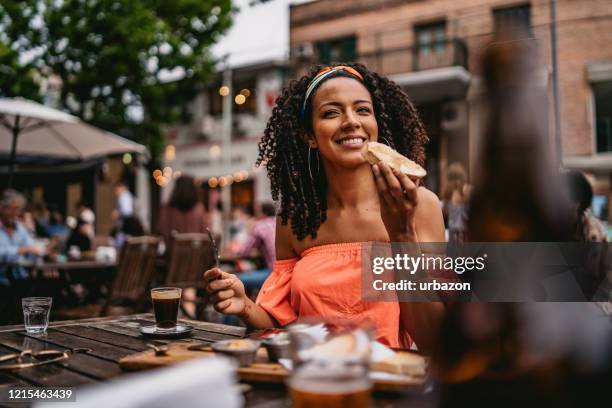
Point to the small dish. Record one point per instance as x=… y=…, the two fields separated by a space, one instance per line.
x=180 y=330
x=277 y=346
x=244 y=350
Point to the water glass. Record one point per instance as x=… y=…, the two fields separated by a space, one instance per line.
x=36 y=314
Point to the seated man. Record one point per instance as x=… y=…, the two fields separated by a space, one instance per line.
x=15 y=243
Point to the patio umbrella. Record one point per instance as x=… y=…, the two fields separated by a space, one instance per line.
x=29 y=128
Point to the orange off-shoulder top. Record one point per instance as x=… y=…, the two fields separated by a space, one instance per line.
x=325 y=281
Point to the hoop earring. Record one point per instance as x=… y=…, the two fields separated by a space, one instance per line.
x=309 y=168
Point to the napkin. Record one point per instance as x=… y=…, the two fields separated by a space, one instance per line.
x=209 y=382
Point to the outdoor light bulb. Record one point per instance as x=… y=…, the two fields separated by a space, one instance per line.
x=245 y=92
x=240 y=99
x=245 y=174
x=162 y=181
x=167 y=171
x=213 y=182
x=237 y=176
x=229 y=179
x=214 y=151
x=222 y=182
x=224 y=90
x=127 y=158
x=157 y=174
x=177 y=174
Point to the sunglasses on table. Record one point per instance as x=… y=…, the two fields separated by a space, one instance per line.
x=29 y=358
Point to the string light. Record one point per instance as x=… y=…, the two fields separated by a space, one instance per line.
x=224 y=90
x=213 y=182
x=239 y=99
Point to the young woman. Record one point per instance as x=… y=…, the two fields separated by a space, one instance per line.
x=455 y=202
x=332 y=200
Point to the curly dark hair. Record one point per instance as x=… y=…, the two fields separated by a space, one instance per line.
x=283 y=149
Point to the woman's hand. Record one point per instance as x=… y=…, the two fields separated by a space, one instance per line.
x=398 y=202
x=226 y=292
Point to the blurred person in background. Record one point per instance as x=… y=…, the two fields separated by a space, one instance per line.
x=215 y=219
x=81 y=236
x=130 y=227
x=85 y=213
x=125 y=200
x=588 y=227
x=27 y=220
x=455 y=202
x=57 y=227
x=184 y=213
x=15 y=241
x=239 y=222
x=15 y=245
x=261 y=237
x=41 y=219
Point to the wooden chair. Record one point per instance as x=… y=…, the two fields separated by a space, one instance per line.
x=190 y=255
x=132 y=281
x=135 y=272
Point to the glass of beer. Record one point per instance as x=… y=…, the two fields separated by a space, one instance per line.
x=166 y=302
x=333 y=373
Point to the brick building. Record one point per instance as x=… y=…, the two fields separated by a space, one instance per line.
x=432 y=49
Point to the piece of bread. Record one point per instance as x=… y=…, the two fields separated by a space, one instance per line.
x=404 y=363
x=344 y=344
x=376 y=152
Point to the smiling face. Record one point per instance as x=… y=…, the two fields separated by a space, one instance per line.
x=343 y=121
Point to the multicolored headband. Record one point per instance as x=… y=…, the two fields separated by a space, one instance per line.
x=326 y=73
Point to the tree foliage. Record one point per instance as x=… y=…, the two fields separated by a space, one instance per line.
x=125 y=66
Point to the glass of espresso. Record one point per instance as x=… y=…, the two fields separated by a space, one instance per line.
x=166 y=302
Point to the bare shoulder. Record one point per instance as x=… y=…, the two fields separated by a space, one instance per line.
x=429 y=220
x=427 y=197
x=284 y=240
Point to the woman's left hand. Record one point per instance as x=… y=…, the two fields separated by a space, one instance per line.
x=398 y=202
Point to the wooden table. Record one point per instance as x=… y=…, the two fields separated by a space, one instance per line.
x=111 y=338
x=75 y=265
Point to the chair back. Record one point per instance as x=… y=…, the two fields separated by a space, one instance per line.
x=136 y=268
x=191 y=254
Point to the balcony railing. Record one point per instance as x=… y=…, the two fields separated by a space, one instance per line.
x=399 y=60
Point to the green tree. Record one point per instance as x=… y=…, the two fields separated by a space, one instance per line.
x=115 y=58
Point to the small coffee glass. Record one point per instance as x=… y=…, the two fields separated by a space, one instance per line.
x=36 y=312
x=166 y=303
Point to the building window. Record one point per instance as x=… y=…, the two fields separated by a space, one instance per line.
x=514 y=21
x=338 y=50
x=431 y=38
x=602 y=95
